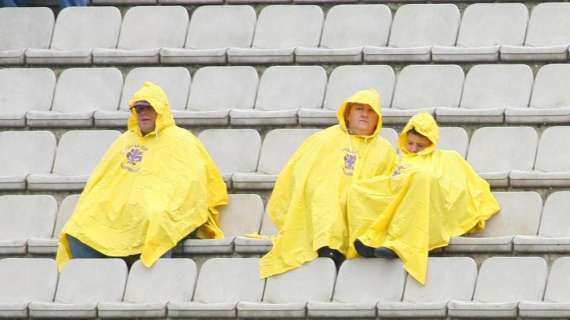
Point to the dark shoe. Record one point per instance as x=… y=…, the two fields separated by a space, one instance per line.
x=337 y=257
x=385 y=253
x=363 y=250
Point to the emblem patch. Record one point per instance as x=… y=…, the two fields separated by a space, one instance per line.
x=133 y=156
x=350 y=158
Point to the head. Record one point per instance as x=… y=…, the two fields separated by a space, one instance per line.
x=361 y=119
x=420 y=136
x=150 y=110
x=146 y=116
x=416 y=142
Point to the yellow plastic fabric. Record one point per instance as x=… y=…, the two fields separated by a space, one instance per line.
x=148 y=192
x=432 y=196
x=308 y=203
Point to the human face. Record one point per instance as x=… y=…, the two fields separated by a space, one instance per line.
x=361 y=119
x=146 y=117
x=416 y=143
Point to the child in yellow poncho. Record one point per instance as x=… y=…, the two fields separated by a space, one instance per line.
x=155 y=185
x=432 y=196
x=308 y=203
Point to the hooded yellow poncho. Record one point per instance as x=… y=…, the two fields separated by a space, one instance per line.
x=148 y=192
x=308 y=203
x=432 y=196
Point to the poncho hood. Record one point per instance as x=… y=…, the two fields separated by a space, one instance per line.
x=369 y=97
x=425 y=124
x=154 y=95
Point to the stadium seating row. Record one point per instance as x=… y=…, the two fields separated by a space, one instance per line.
x=287 y=95
x=505 y=156
x=523 y=225
x=233 y=34
x=231 y=287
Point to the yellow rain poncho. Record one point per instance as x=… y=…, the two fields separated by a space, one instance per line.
x=432 y=196
x=308 y=203
x=148 y=192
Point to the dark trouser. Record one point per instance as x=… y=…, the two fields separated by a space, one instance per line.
x=80 y=250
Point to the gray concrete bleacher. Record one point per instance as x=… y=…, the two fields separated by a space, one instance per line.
x=502 y=287
x=82 y=285
x=551 y=167
x=547 y=35
x=272 y=42
x=419 y=32
x=233 y=150
x=275 y=105
x=22 y=90
x=19 y=162
x=25 y=280
x=221 y=284
x=78 y=94
x=78 y=152
x=495 y=151
x=212 y=30
x=522 y=226
x=24 y=217
x=488 y=90
x=416 y=28
x=503 y=104
x=286 y=295
x=343 y=40
x=277 y=147
x=424 y=88
x=217 y=90
x=489 y=94
x=141 y=45
x=450 y=278
x=77 y=31
x=549 y=102
x=22 y=28
x=555 y=303
x=47 y=244
x=499 y=289
x=244 y=245
x=361 y=284
x=241 y=216
x=519 y=215
x=483 y=30
x=149 y=290
x=553 y=233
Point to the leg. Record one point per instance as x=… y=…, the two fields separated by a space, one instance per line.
x=80 y=250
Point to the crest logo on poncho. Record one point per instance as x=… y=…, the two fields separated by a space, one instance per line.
x=133 y=156
x=350 y=158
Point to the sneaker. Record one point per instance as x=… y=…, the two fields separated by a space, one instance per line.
x=363 y=250
x=385 y=253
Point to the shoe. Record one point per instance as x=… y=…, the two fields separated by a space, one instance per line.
x=363 y=250
x=337 y=257
x=385 y=253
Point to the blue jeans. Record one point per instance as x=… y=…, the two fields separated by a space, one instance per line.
x=13 y=3
x=72 y=3
x=62 y=3
x=80 y=250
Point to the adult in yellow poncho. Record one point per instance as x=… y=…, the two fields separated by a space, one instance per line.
x=432 y=196
x=154 y=186
x=308 y=203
